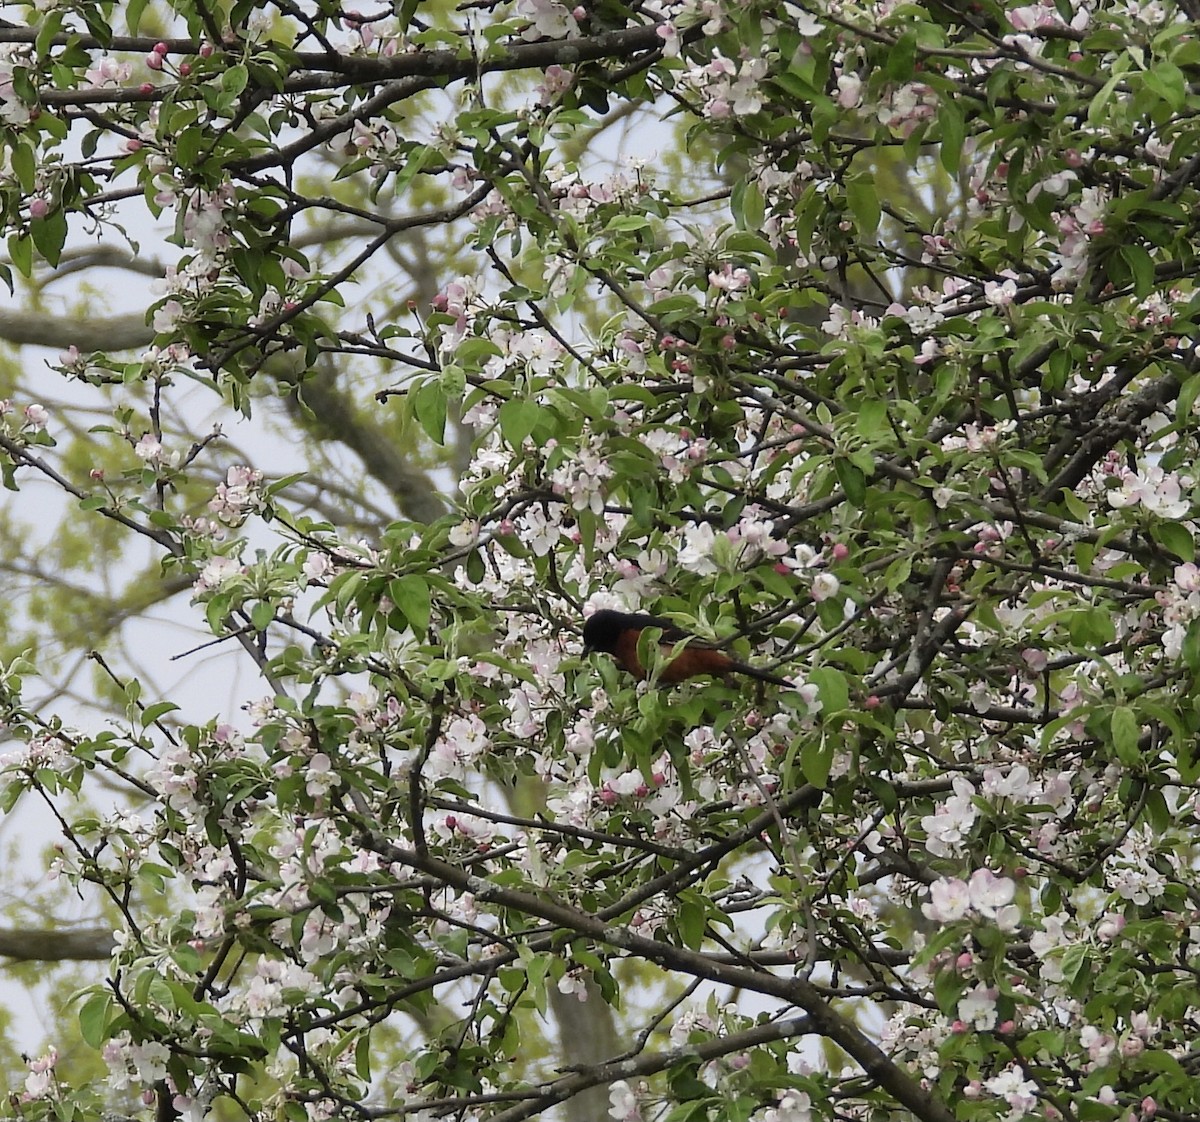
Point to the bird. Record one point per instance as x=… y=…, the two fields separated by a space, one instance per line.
x=617 y=634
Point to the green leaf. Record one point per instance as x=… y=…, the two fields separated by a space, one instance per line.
x=1175 y=538
x=24 y=164
x=51 y=25
x=833 y=688
x=853 y=482
x=133 y=14
x=872 y=419
x=816 y=759
x=189 y=144
x=152 y=712
x=1125 y=733
x=429 y=405
x=1141 y=268
x=234 y=80
x=625 y=223
x=948 y=988
x=1191 y=646
x=410 y=593
x=50 y=234
x=862 y=196
x=518 y=417
x=1099 y=103
x=692 y=922
x=262 y=615
x=94 y=1019
x=1168 y=81
x=954 y=131
x=20 y=250
x=744 y=241
x=1074 y=960
x=749 y=207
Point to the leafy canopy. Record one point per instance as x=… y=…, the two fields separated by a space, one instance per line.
x=870 y=356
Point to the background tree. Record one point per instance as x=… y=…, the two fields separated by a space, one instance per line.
x=856 y=338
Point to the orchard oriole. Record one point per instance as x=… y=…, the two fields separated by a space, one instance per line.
x=617 y=634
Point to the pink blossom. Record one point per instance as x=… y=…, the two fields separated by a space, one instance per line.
x=216 y=573
x=670 y=37
x=696 y=555
x=949 y=900
x=1110 y=926
x=1099 y=1045
x=1037 y=661
x=998 y=294
x=729 y=279
x=849 y=91
x=1011 y=1085
x=793 y=1106
x=549 y=20
x=1187 y=577
x=824 y=587
x=36 y=418
x=947 y=828
x=148 y=448
x=108 y=72
x=623 y=1103
x=991 y=896
x=556 y=79
x=574 y=984
x=977 y=1007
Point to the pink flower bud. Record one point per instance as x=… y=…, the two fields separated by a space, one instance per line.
x=185 y=68
x=841 y=551
x=160 y=48
x=154 y=61
x=38 y=208
x=206 y=51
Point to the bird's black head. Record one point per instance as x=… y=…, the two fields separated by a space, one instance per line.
x=602 y=630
